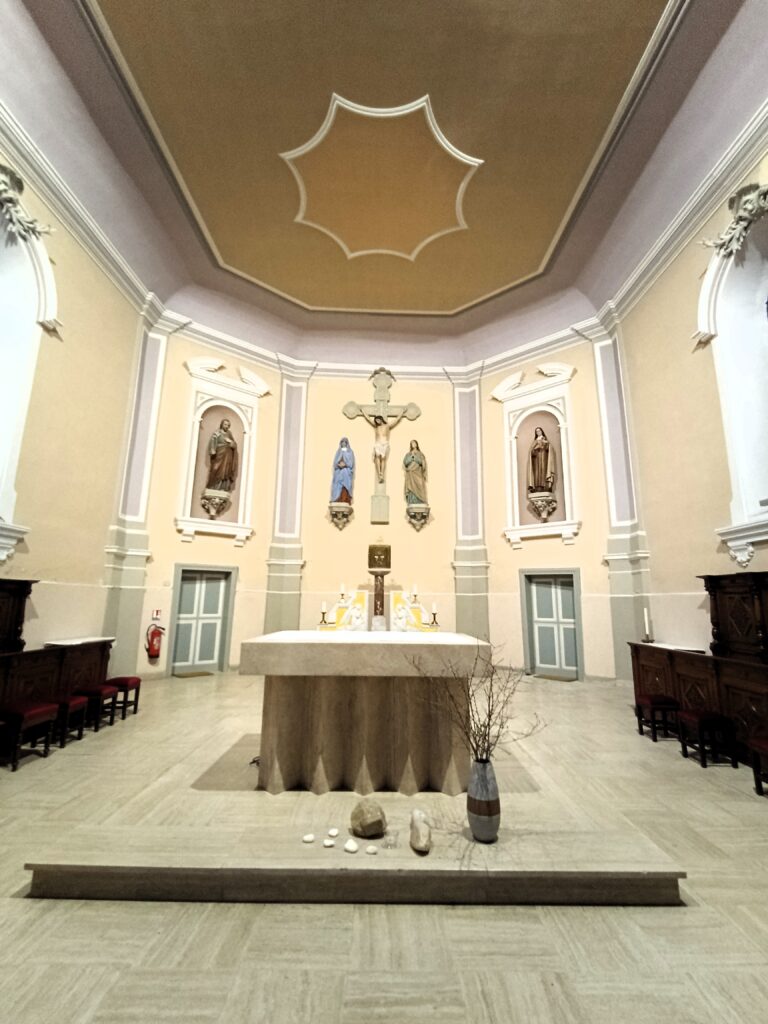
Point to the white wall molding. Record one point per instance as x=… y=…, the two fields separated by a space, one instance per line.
x=551 y=396
x=723 y=178
x=37 y=170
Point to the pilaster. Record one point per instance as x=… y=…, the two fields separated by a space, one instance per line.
x=285 y=562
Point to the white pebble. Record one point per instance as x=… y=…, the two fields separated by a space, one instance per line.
x=333 y=832
x=308 y=838
x=351 y=846
x=372 y=849
x=328 y=842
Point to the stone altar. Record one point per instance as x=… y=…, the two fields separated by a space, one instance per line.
x=357 y=711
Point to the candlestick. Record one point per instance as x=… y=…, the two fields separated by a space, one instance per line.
x=647 y=624
x=323 y=607
x=415 y=591
x=434 y=608
x=343 y=589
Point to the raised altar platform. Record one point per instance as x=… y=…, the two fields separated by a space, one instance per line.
x=362 y=711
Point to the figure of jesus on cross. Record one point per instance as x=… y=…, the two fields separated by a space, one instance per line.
x=383 y=417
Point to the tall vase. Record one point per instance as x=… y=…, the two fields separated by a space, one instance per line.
x=483 y=805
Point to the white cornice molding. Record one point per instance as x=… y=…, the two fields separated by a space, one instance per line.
x=40 y=174
x=713 y=192
x=743 y=153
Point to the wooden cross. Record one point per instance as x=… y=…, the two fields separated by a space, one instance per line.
x=383 y=417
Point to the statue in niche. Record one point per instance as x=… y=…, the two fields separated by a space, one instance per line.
x=222 y=448
x=343 y=479
x=541 y=476
x=222 y=470
x=541 y=464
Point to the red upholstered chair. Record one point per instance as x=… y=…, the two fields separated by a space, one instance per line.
x=28 y=719
x=128 y=690
x=102 y=702
x=73 y=711
x=653 y=709
x=758 y=746
x=711 y=730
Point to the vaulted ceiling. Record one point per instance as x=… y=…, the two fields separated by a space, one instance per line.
x=413 y=157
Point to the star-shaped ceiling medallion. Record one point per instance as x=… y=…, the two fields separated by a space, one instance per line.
x=381 y=180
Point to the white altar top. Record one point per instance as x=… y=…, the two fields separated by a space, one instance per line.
x=314 y=652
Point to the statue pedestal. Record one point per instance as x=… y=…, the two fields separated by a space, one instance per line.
x=543 y=504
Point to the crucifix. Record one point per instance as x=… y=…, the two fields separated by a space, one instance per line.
x=383 y=417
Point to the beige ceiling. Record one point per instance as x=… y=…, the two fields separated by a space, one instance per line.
x=535 y=89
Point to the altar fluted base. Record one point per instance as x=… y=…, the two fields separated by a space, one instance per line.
x=361 y=733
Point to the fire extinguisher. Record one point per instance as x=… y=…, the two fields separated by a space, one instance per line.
x=154 y=639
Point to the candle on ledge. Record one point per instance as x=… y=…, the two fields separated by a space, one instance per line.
x=647 y=624
x=323 y=607
x=415 y=591
x=434 y=608
x=343 y=589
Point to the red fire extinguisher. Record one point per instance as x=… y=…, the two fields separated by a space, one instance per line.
x=154 y=638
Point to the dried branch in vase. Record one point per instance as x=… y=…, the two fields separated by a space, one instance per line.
x=480 y=703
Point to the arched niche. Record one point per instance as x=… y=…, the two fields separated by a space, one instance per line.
x=732 y=317
x=215 y=396
x=543 y=401
x=27 y=304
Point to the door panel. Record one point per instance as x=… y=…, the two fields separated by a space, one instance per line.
x=553 y=607
x=199 y=620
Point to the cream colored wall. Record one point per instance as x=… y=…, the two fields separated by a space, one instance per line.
x=73 y=442
x=590 y=498
x=678 y=441
x=334 y=556
x=166 y=492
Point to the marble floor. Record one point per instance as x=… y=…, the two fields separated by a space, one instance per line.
x=135 y=784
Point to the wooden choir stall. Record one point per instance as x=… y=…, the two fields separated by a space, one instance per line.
x=732 y=680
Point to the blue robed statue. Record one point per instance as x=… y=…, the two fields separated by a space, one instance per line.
x=343 y=473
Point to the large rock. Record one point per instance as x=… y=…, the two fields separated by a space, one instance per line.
x=368 y=819
x=421 y=833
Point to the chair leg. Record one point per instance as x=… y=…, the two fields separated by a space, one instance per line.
x=16 y=751
x=48 y=735
x=99 y=706
x=124 y=705
x=63 y=725
x=136 y=700
x=757 y=768
x=654 y=733
x=112 y=710
x=702 y=747
x=683 y=740
x=664 y=723
x=638 y=716
x=81 y=726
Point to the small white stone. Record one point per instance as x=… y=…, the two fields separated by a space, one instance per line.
x=328 y=842
x=308 y=838
x=333 y=832
x=372 y=850
x=351 y=846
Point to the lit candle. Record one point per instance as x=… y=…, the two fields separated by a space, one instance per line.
x=647 y=624
x=323 y=607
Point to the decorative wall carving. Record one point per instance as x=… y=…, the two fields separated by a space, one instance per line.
x=18 y=223
x=748 y=205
